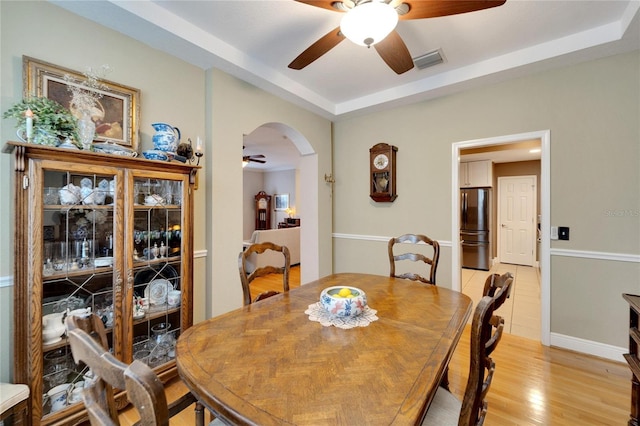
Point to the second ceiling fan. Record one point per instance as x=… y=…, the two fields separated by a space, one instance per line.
x=389 y=46
x=257 y=158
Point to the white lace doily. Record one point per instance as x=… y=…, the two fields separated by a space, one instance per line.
x=317 y=313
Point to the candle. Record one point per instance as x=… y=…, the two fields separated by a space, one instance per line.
x=199 y=146
x=29 y=124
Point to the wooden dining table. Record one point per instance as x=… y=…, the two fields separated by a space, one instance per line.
x=269 y=364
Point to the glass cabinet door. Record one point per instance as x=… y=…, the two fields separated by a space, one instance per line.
x=156 y=247
x=77 y=261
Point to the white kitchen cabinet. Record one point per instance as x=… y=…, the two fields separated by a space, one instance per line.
x=476 y=174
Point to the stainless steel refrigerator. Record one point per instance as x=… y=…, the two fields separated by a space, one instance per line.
x=475 y=217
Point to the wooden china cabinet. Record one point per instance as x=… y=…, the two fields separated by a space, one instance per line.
x=103 y=233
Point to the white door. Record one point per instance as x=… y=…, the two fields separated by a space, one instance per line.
x=516 y=219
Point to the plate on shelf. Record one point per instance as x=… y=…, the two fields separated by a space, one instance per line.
x=112 y=148
x=157 y=291
x=160 y=271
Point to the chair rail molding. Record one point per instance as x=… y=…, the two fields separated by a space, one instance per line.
x=599 y=255
x=6 y=281
x=377 y=238
x=585 y=254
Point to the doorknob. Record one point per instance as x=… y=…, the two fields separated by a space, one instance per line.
x=503 y=225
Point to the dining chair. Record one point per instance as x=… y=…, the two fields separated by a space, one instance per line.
x=92 y=325
x=14 y=403
x=401 y=255
x=495 y=282
x=87 y=338
x=486 y=331
x=247 y=278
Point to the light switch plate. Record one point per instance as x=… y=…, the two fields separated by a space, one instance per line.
x=563 y=233
x=554 y=232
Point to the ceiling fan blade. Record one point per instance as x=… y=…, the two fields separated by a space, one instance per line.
x=324 y=4
x=420 y=9
x=257 y=156
x=257 y=161
x=317 y=49
x=395 y=53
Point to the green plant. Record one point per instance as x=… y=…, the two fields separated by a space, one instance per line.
x=48 y=115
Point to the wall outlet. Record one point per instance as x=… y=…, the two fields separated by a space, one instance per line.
x=554 y=232
x=563 y=233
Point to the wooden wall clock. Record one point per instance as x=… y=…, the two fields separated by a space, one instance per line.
x=382 y=172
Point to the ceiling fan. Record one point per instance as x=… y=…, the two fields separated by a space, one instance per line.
x=388 y=43
x=246 y=159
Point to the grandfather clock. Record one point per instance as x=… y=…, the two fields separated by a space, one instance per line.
x=263 y=211
x=382 y=172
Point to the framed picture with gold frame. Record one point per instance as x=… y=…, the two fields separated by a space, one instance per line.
x=118 y=109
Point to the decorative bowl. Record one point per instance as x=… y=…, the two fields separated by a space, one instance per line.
x=155 y=154
x=340 y=306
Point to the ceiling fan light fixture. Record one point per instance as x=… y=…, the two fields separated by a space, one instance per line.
x=369 y=23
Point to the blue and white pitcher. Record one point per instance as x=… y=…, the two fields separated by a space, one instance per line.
x=166 y=137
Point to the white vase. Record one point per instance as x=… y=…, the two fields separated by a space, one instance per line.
x=86 y=130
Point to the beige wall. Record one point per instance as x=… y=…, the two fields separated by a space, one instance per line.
x=592 y=113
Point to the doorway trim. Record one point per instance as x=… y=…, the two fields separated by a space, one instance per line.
x=545 y=211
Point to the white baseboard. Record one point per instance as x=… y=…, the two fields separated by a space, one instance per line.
x=589 y=347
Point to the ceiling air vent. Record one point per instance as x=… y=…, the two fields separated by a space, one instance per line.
x=428 y=59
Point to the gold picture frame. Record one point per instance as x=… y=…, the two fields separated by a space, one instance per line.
x=119 y=103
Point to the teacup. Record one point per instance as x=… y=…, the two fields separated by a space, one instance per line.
x=76 y=395
x=58 y=396
x=173 y=298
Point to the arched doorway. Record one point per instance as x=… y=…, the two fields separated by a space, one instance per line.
x=306 y=190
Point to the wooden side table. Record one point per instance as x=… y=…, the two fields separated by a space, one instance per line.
x=289 y=223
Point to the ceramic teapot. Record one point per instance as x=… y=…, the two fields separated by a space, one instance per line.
x=166 y=137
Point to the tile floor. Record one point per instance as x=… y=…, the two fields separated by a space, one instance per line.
x=521 y=312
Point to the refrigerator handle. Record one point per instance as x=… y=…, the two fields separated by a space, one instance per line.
x=464 y=209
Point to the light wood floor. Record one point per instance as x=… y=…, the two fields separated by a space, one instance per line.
x=533 y=384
